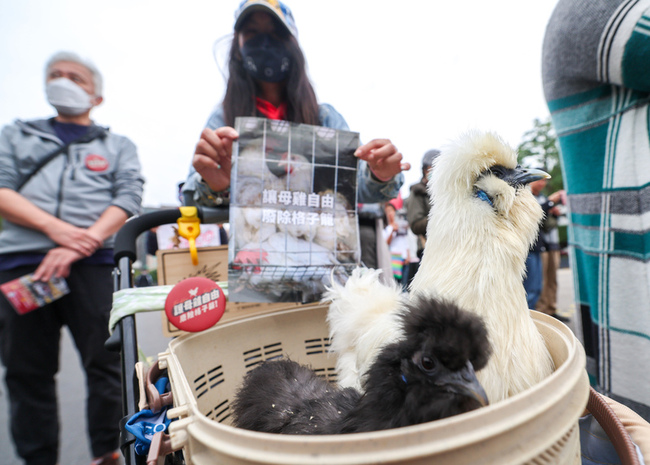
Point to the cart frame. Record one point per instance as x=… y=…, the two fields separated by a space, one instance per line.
x=124 y=337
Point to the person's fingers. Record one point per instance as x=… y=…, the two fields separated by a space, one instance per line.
x=228 y=132
x=42 y=273
x=365 y=149
x=57 y=262
x=89 y=242
x=46 y=270
x=95 y=239
x=82 y=246
x=387 y=160
x=226 y=164
x=221 y=140
x=211 y=145
x=213 y=156
x=216 y=144
x=63 y=271
x=387 y=164
x=202 y=163
x=76 y=238
x=383 y=153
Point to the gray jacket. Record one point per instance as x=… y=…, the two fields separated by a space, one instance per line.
x=76 y=186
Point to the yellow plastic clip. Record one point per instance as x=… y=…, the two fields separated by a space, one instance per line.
x=189 y=227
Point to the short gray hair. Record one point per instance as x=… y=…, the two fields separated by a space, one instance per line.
x=74 y=58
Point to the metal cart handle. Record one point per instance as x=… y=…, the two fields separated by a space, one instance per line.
x=125 y=241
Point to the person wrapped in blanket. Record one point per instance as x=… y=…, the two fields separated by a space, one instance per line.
x=597 y=87
x=598 y=91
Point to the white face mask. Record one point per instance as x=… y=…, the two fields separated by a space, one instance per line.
x=67 y=97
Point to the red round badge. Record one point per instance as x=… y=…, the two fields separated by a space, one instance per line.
x=195 y=304
x=96 y=162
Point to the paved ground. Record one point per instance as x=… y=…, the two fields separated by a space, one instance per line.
x=74 y=445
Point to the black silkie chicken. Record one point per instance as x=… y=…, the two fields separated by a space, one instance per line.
x=426 y=375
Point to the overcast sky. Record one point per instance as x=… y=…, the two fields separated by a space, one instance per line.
x=417 y=72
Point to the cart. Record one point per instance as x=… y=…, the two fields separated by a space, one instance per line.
x=124 y=337
x=539 y=426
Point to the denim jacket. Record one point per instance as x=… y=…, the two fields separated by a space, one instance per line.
x=370 y=190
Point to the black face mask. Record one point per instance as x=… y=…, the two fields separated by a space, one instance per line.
x=266 y=58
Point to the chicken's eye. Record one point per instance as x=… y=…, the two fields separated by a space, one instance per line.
x=428 y=364
x=498 y=170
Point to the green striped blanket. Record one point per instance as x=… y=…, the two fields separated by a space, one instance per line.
x=596 y=72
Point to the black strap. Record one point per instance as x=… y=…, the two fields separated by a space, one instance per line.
x=92 y=134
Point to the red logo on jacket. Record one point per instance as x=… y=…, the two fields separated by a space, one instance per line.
x=96 y=162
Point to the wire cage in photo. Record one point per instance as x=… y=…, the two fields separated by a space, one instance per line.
x=293 y=213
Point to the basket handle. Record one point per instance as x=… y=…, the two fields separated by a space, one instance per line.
x=156 y=400
x=613 y=427
x=161 y=446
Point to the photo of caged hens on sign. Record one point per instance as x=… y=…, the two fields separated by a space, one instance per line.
x=293 y=210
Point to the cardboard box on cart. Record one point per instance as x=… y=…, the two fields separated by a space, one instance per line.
x=174 y=265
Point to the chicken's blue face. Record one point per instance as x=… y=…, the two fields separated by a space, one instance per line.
x=498 y=185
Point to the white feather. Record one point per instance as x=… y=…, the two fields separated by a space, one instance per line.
x=475 y=256
x=356 y=336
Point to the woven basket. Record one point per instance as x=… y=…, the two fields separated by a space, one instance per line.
x=538 y=426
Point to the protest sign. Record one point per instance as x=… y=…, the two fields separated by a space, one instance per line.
x=293 y=210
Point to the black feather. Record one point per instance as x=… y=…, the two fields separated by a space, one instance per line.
x=282 y=396
x=407 y=384
x=456 y=335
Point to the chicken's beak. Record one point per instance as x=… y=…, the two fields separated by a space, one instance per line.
x=464 y=382
x=521 y=176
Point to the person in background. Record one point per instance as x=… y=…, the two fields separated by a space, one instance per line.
x=597 y=88
x=66 y=186
x=417 y=212
x=267 y=77
x=374 y=251
x=395 y=235
x=533 y=281
x=418 y=204
x=551 y=256
x=414 y=261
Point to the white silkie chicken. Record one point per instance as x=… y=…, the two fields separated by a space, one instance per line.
x=482 y=222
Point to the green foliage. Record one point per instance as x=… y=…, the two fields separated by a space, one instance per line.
x=539 y=149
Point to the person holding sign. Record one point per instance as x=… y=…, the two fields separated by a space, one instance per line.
x=268 y=78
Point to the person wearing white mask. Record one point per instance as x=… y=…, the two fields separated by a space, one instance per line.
x=66 y=186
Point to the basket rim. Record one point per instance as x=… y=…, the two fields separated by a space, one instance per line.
x=518 y=408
